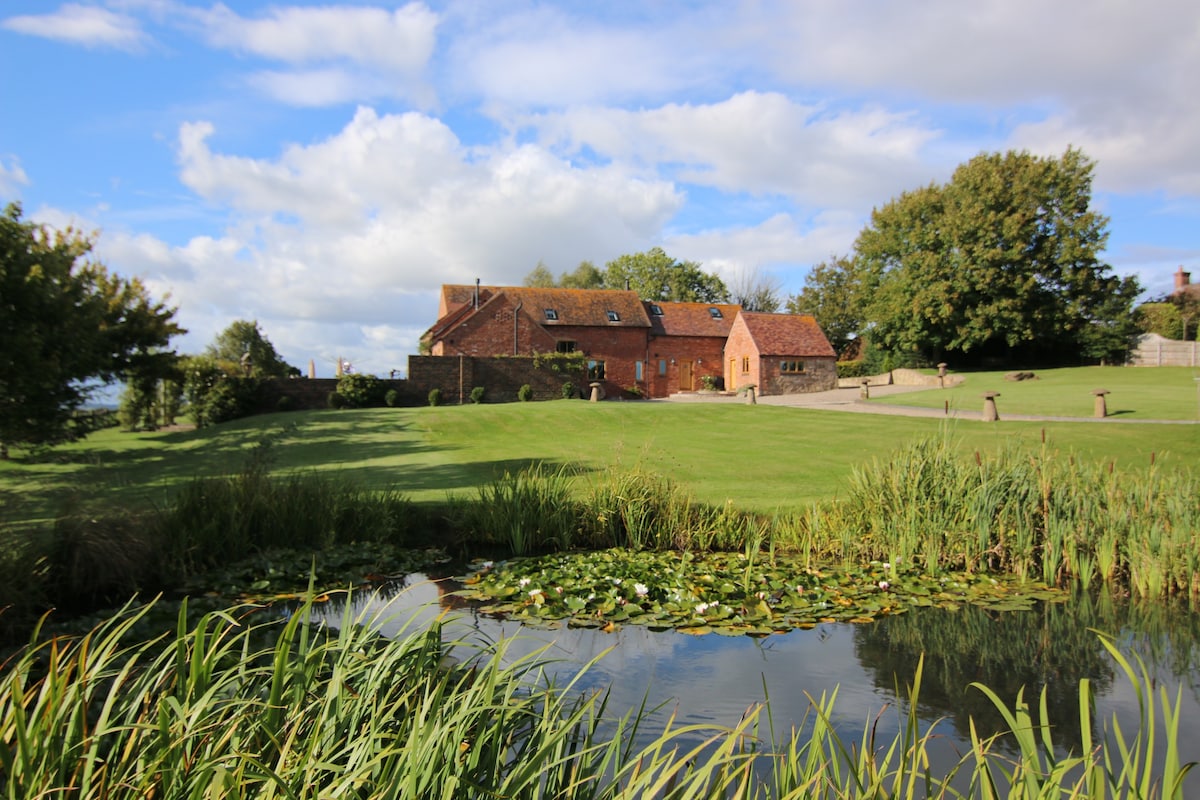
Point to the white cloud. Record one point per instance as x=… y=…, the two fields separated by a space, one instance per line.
x=400 y=40
x=12 y=177
x=761 y=143
x=86 y=25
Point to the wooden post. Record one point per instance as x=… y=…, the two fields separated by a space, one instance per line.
x=989 y=406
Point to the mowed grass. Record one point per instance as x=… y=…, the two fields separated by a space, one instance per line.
x=760 y=458
x=1169 y=393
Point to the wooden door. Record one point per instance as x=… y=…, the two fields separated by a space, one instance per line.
x=685 y=376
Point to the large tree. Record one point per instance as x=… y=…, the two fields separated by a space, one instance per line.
x=243 y=349
x=67 y=325
x=835 y=293
x=755 y=291
x=1001 y=262
x=654 y=275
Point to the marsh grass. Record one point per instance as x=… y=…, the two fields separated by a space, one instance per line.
x=241 y=704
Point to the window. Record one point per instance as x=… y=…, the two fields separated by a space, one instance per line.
x=715 y=312
x=595 y=370
x=745 y=365
x=637 y=370
x=662 y=366
x=656 y=309
x=565 y=346
x=551 y=314
x=613 y=316
x=791 y=367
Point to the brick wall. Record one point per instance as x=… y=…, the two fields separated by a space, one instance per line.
x=681 y=358
x=740 y=346
x=501 y=377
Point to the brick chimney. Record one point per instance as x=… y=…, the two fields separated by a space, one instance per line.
x=1182 y=279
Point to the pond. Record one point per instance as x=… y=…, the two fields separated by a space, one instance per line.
x=714 y=679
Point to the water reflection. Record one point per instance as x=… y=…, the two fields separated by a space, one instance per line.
x=714 y=679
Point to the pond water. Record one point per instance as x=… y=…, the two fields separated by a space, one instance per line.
x=713 y=679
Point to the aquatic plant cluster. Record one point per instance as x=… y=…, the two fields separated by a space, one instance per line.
x=1041 y=516
x=726 y=593
x=240 y=704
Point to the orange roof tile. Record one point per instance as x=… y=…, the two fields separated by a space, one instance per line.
x=571 y=306
x=692 y=319
x=787 y=334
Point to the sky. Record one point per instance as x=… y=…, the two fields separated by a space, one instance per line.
x=323 y=168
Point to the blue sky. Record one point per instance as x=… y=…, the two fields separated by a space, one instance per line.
x=324 y=168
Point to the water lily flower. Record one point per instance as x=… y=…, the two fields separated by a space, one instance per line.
x=884 y=585
x=616 y=581
x=534 y=592
x=887 y=565
x=487 y=565
x=701 y=608
x=640 y=589
x=523 y=582
x=558 y=589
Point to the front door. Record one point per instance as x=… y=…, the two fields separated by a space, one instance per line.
x=685 y=376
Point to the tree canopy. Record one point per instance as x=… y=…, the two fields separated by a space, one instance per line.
x=1001 y=262
x=243 y=349
x=654 y=275
x=67 y=326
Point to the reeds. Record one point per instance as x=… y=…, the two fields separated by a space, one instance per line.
x=243 y=705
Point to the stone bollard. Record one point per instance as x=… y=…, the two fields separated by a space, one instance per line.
x=989 y=406
x=865 y=392
x=751 y=400
x=596 y=387
x=1101 y=405
x=942 y=374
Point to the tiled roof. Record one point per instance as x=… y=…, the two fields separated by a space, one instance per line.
x=571 y=306
x=787 y=335
x=692 y=319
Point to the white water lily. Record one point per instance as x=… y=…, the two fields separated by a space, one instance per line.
x=523 y=582
x=640 y=589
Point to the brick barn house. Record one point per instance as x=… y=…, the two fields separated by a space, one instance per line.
x=780 y=354
x=655 y=348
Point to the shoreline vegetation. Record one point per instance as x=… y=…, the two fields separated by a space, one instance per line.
x=226 y=702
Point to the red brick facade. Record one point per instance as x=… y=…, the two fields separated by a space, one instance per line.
x=779 y=354
x=652 y=349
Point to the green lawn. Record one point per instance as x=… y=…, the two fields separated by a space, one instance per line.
x=1136 y=393
x=760 y=457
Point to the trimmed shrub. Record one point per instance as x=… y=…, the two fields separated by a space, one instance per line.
x=435 y=397
x=285 y=403
x=336 y=400
x=568 y=390
x=477 y=394
x=852 y=369
x=361 y=391
x=525 y=393
x=392 y=398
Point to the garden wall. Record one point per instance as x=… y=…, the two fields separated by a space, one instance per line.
x=1153 y=350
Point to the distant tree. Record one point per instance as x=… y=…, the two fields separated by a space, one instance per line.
x=1160 y=317
x=1003 y=261
x=243 y=344
x=67 y=326
x=585 y=276
x=654 y=275
x=754 y=291
x=836 y=293
x=541 y=277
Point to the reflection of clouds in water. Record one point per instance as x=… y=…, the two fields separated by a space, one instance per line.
x=705 y=679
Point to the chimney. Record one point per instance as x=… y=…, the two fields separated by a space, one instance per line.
x=477 y=291
x=1182 y=279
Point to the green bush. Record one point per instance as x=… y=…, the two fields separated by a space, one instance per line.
x=477 y=394
x=361 y=391
x=435 y=397
x=852 y=369
x=230 y=399
x=525 y=393
x=336 y=400
x=285 y=403
x=568 y=390
x=392 y=398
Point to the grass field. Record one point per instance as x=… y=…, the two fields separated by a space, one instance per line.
x=1141 y=394
x=762 y=458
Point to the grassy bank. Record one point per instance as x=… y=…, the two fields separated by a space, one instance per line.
x=1135 y=393
x=762 y=458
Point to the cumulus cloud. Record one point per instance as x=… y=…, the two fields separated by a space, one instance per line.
x=12 y=177
x=90 y=26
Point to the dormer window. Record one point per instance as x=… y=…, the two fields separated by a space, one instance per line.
x=714 y=312
x=613 y=316
x=551 y=314
x=656 y=309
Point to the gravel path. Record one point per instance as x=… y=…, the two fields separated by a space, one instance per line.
x=848 y=400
